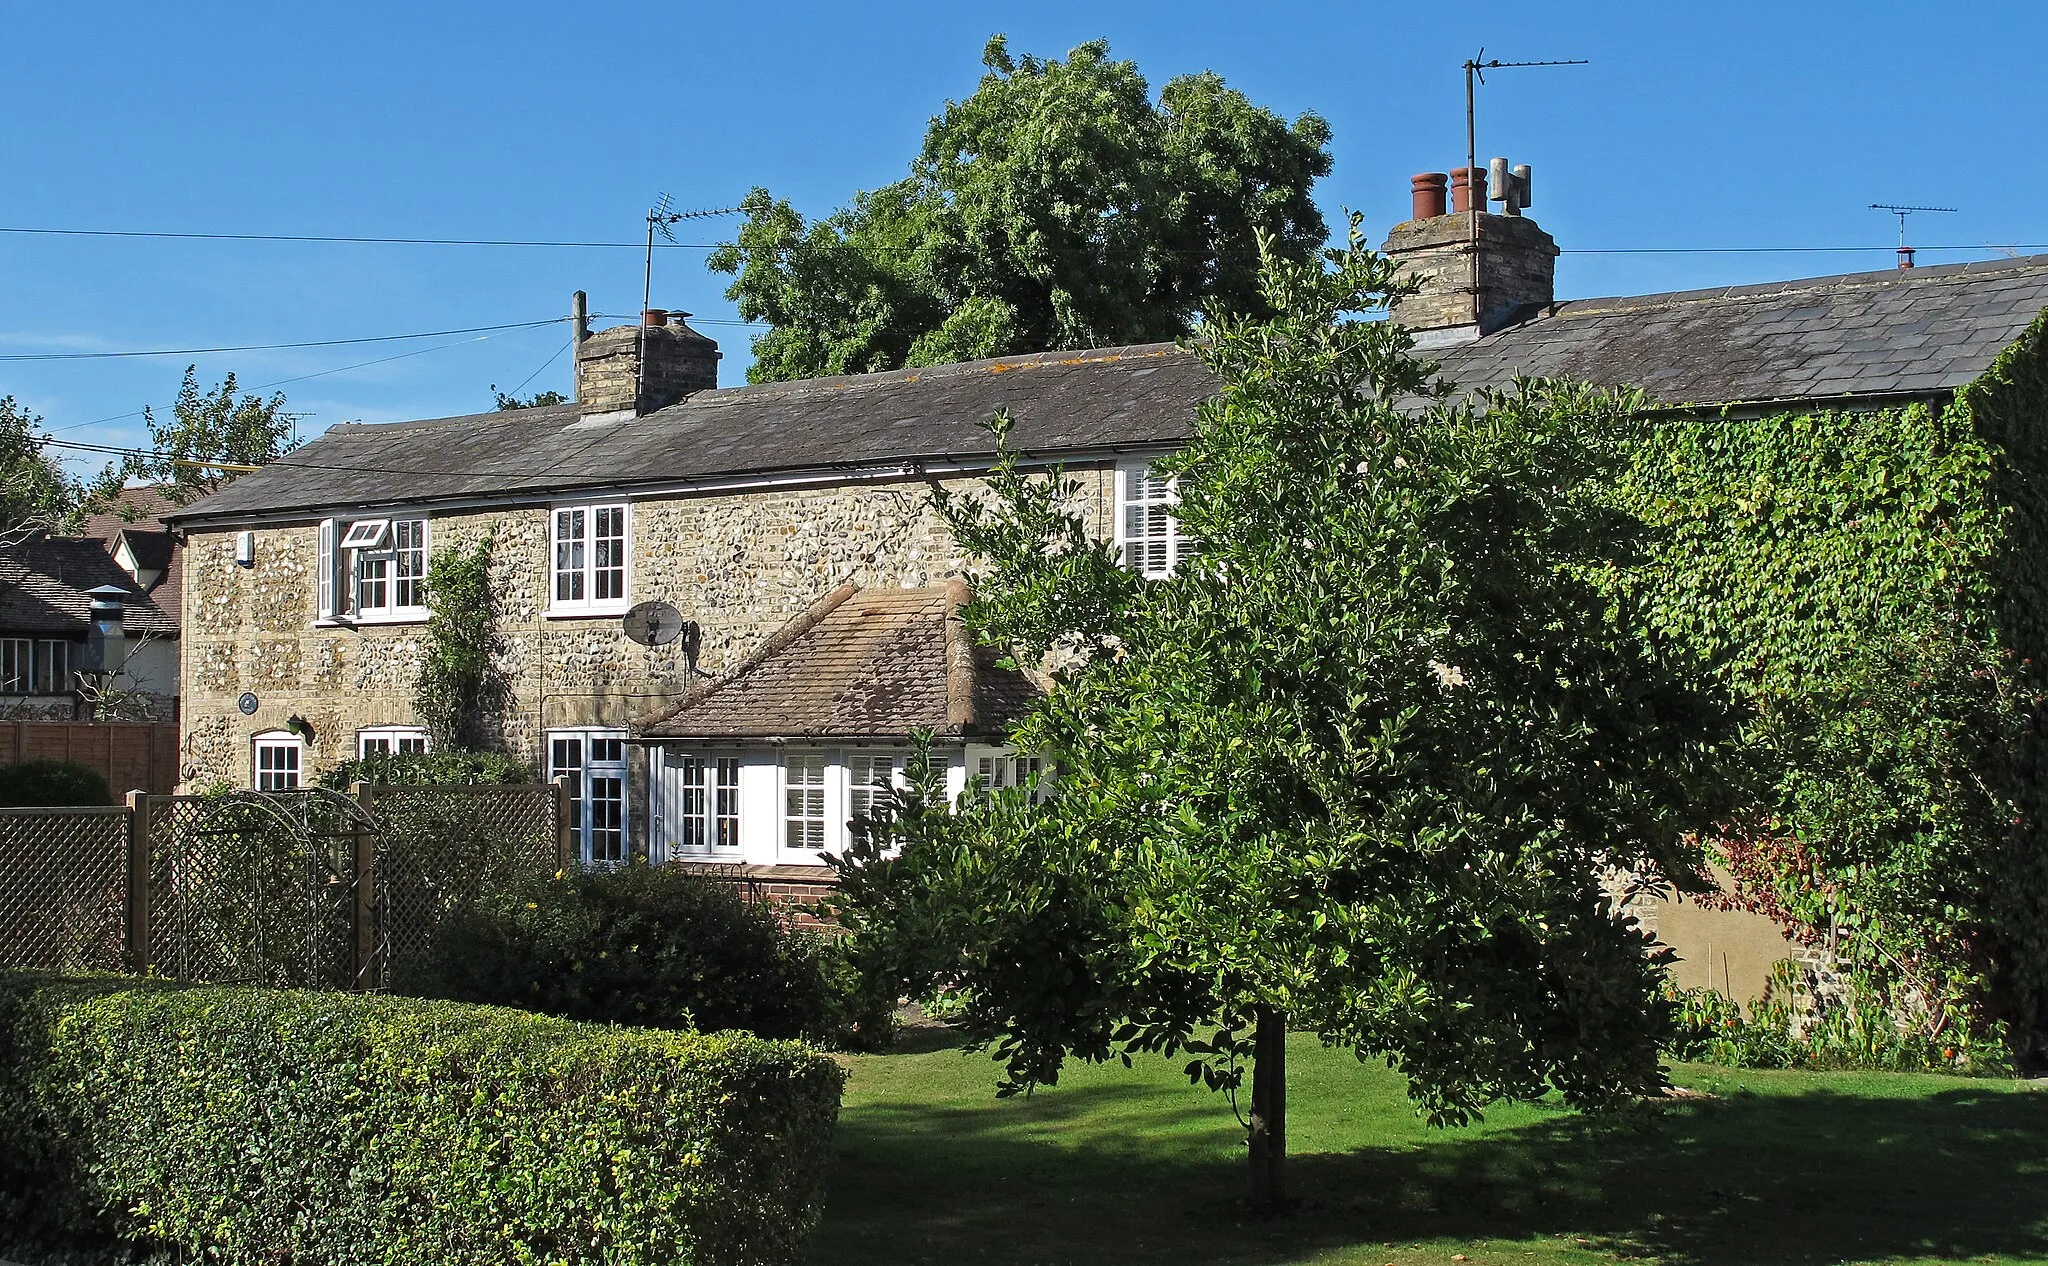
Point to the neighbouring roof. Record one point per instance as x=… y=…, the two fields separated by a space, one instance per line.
x=137 y=508
x=1901 y=331
x=43 y=584
x=1062 y=402
x=860 y=664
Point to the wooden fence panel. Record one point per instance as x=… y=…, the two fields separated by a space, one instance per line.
x=131 y=755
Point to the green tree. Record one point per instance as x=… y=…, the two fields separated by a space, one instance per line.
x=214 y=426
x=1059 y=206
x=538 y=400
x=1357 y=768
x=35 y=493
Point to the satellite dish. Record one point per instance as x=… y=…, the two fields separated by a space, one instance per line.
x=653 y=624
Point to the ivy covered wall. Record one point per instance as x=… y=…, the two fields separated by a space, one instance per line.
x=1871 y=585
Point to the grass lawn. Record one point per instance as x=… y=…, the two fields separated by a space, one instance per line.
x=1120 y=1166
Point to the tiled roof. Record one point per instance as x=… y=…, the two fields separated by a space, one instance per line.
x=860 y=664
x=141 y=507
x=1917 y=331
x=1062 y=402
x=43 y=583
x=1913 y=331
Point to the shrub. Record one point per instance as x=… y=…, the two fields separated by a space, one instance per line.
x=636 y=944
x=1853 y=1026
x=38 y=783
x=244 y=1125
x=426 y=769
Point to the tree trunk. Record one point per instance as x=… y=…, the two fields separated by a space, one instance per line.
x=1269 y=1113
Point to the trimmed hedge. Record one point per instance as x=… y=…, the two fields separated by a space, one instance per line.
x=244 y=1125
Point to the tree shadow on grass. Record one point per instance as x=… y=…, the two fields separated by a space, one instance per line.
x=1115 y=1174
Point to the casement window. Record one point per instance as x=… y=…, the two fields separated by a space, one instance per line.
x=594 y=761
x=17 y=665
x=869 y=776
x=589 y=573
x=391 y=740
x=373 y=569
x=706 y=790
x=279 y=761
x=34 y=666
x=994 y=768
x=1145 y=528
x=806 y=821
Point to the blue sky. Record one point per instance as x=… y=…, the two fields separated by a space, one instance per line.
x=1705 y=125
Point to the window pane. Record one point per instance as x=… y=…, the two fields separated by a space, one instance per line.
x=607 y=819
x=53 y=667
x=409 y=556
x=696 y=825
x=277 y=766
x=569 y=555
x=608 y=571
x=871 y=777
x=373 y=583
x=376 y=746
x=565 y=757
x=804 y=807
x=15 y=663
x=726 y=807
x=414 y=743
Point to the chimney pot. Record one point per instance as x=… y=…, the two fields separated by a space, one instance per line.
x=1466 y=182
x=1429 y=194
x=654 y=318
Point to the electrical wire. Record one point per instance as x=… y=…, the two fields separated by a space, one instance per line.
x=273 y=347
x=537 y=373
x=364 y=240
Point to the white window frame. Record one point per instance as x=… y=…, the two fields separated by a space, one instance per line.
x=994 y=768
x=50 y=677
x=862 y=794
x=1135 y=490
x=392 y=740
x=701 y=805
x=276 y=745
x=342 y=585
x=17 y=665
x=588 y=777
x=582 y=567
x=821 y=812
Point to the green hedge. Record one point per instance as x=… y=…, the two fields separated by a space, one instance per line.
x=244 y=1125
x=52 y=783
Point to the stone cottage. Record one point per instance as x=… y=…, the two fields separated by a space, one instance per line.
x=788 y=526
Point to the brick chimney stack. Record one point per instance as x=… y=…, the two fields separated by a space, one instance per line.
x=680 y=363
x=1517 y=260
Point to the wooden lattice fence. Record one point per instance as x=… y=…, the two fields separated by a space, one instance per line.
x=309 y=889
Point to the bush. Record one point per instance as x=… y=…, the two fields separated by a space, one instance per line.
x=636 y=944
x=426 y=769
x=40 y=783
x=1854 y=1026
x=244 y=1125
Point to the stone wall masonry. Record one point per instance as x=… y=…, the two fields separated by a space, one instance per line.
x=1518 y=263
x=741 y=564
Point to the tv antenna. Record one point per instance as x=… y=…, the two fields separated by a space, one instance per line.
x=659 y=218
x=1905 y=251
x=1475 y=73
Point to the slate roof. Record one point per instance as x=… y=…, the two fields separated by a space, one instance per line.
x=1062 y=402
x=860 y=664
x=43 y=583
x=135 y=514
x=1918 y=331
x=1900 y=331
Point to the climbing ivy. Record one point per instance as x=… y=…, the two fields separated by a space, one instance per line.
x=459 y=692
x=1871 y=584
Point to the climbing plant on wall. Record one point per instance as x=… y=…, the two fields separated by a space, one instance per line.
x=459 y=692
x=1870 y=582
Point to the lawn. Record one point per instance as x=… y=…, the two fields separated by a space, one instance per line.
x=1133 y=1166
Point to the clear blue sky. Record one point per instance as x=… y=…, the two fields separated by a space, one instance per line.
x=1699 y=125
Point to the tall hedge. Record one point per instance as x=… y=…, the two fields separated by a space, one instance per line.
x=244 y=1125
x=1871 y=583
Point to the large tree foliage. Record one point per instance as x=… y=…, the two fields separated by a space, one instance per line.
x=1059 y=206
x=212 y=426
x=1357 y=768
x=35 y=493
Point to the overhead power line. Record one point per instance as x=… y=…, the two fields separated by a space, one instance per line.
x=708 y=246
x=272 y=347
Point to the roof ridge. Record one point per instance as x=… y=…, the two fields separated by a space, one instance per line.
x=800 y=387
x=1937 y=274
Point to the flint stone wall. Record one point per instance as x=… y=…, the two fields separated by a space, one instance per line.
x=740 y=564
